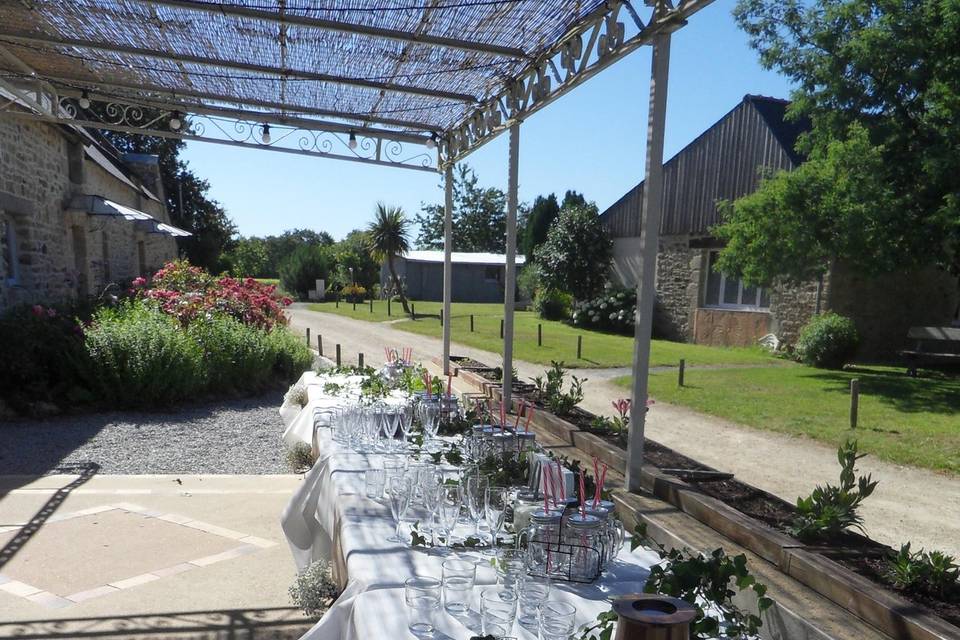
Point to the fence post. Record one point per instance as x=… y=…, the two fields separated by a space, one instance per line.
x=338 y=354
x=579 y=347
x=360 y=360
x=320 y=343
x=501 y=328
x=354 y=304
x=413 y=310
x=337 y=303
x=539 y=334
x=371 y=305
x=854 y=401
x=471 y=323
x=441 y=317
x=388 y=307
x=308 y=336
x=683 y=366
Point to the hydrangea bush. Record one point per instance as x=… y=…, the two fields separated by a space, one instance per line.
x=615 y=310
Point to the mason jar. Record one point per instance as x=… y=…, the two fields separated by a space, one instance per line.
x=543 y=546
x=582 y=535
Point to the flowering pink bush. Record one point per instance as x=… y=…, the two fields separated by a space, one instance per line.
x=186 y=292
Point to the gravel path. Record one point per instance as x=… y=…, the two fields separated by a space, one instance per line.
x=233 y=436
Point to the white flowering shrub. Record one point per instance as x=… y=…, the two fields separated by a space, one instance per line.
x=615 y=310
x=296 y=395
x=314 y=589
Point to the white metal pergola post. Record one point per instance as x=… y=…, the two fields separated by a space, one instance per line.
x=649 y=241
x=447 y=262
x=510 y=270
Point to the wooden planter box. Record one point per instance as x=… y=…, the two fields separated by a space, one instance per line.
x=809 y=565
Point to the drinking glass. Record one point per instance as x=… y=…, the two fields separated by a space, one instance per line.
x=534 y=591
x=406 y=423
x=498 y=610
x=557 y=620
x=476 y=494
x=389 y=425
x=422 y=595
x=398 y=490
x=431 y=483
x=510 y=568
x=430 y=415
x=459 y=576
x=449 y=510
x=374 y=482
x=495 y=510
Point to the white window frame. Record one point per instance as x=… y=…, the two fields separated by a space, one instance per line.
x=738 y=306
x=10 y=231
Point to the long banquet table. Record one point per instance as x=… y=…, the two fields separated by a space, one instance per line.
x=330 y=518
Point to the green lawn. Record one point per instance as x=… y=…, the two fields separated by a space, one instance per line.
x=913 y=421
x=559 y=339
x=273 y=281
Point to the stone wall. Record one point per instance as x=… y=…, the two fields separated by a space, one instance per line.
x=62 y=252
x=678 y=288
x=792 y=306
x=885 y=307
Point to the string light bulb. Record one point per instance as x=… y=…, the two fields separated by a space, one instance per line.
x=353 y=140
x=176 y=121
x=432 y=141
x=266 y=134
x=84 y=100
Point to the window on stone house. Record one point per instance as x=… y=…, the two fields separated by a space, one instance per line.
x=731 y=293
x=491 y=274
x=11 y=257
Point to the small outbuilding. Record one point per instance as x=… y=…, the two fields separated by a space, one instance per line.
x=477 y=277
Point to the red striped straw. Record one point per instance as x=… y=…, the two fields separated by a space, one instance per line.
x=583 y=496
x=517 y=423
x=561 y=486
x=503 y=416
x=596 y=477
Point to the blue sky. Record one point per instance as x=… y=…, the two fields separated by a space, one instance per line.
x=591 y=140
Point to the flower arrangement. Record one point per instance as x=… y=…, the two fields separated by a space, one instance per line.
x=187 y=292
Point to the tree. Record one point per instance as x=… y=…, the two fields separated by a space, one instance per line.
x=479 y=217
x=575 y=257
x=880 y=190
x=542 y=214
x=280 y=247
x=389 y=236
x=300 y=271
x=353 y=252
x=208 y=222
x=248 y=258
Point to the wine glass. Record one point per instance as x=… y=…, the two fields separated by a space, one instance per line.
x=495 y=510
x=430 y=486
x=398 y=491
x=406 y=423
x=476 y=495
x=449 y=508
x=430 y=415
x=389 y=424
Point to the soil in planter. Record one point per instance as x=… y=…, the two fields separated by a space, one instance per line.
x=873 y=568
x=469 y=363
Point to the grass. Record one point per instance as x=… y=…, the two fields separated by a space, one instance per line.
x=914 y=421
x=559 y=339
x=273 y=281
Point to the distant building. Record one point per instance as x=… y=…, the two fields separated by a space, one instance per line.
x=697 y=304
x=75 y=216
x=477 y=277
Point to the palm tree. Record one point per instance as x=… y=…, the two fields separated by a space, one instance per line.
x=388 y=236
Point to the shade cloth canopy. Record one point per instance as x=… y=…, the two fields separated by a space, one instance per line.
x=99 y=206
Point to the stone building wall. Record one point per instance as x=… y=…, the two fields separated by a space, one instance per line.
x=678 y=288
x=62 y=252
x=885 y=307
x=792 y=306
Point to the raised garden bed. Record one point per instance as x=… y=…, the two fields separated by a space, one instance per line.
x=849 y=570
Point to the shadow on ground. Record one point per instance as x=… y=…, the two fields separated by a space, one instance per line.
x=930 y=392
x=281 y=623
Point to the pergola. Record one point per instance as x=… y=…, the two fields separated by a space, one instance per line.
x=412 y=84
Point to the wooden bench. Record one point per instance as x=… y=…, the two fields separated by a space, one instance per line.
x=931 y=345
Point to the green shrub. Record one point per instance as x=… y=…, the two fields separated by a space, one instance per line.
x=551 y=304
x=615 y=310
x=302 y=268
x=930 y=572
x=289 y=354
x=141 y=357
x=828 y=340
x=44 y=359
x=236 y=357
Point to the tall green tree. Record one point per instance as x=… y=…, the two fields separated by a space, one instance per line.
x=187 y=197
x=389 y=237
x=880 y=190
x=248 y=258
x=575 y=257
x=300 y=270
x=479 y=217
x=353 y=252
x=541 y=216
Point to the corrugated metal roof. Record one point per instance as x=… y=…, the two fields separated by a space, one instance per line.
x=461 y=257
x=722 y=163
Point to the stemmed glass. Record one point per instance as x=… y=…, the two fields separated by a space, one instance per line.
x=430 y=415
x=495 y=510
x=406 y=423
x=430 y=487
x=398 y=491
x=389 y=424
x=449 y=507
x=476 y=494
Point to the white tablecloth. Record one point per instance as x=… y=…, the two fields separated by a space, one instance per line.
x=330 y=518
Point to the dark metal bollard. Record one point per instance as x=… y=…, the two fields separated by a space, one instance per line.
x=360 y=360
x=471 y=323
x=320 y=344
x=308 y=336
x=680 y=374
x=539 y=334
x=501 y=328
x=338 y=355
x=579 y=347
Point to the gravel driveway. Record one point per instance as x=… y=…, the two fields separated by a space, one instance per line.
x=233 y=436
